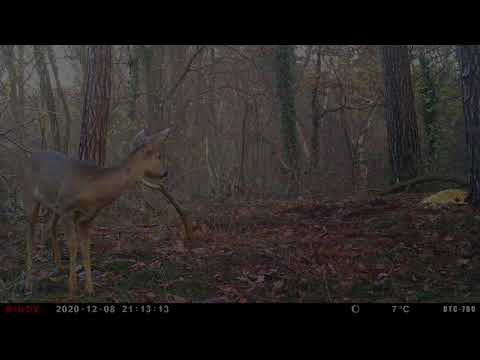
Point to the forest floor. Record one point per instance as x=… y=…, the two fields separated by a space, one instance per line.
x=377 y=250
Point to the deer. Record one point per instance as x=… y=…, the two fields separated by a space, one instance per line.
x=75 y=191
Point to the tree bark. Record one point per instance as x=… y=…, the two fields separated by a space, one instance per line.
x=61 y=95
x=361 y=151
x=21 y=89
x=96 y=105
x=134 y=64
x=400 y=117
x=314 y=140
x=241 y=176
x=285 y=57
x=429 y=110
x=82 y=53
x=469 y=58
x=8 y=54
x=180 y=56
x=46 y=93
x=153 y=57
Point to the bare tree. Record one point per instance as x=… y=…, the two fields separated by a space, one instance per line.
x=61 y=95
x=21 y=87
x=46 y=94
x=153 y=58
x=285 y=57
x=400 y=116
x=314 y=139
x=8 y=55
x=96 y=105
x=133 y=67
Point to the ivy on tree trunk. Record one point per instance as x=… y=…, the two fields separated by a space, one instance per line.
x=469 y=59
x=430 y=103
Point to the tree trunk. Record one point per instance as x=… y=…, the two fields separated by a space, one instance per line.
x=351 y=148
x=82 y=52
x=61 y=95
x=147 y=55
x=212 y=90
x=46 y=93
x=8 y=54
x=469 y=58
x=197 y=124
x=361 y=153
x=96 y=105
x=429 y=111
x=133 y=62
x=241 y=176
x=314 y=143
x=21 y=89
x=153 y=57
x=180 y=55
x=400 y=117
x=285 y=57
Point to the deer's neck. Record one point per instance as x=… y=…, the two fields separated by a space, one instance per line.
x=111 y=183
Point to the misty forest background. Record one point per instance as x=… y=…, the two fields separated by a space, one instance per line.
x=284 y=156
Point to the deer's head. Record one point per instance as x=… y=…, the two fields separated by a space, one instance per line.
x=146 y=148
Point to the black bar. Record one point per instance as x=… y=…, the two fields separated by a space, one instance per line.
x=257 y=311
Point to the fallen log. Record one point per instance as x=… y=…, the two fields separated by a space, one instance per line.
x=422 y=180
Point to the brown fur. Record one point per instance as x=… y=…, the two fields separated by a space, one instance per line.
x=75 y=191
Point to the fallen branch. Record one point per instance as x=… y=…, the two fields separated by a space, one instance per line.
x=422 y=180
x=181 y=212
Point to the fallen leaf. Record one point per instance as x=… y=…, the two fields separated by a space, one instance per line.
x=137 y=266
x=215 y=300
x=361 y=267
x=150 y=296
x=277 y=285
x=176 y=299
x=382 y=275
x=260 y=279
x=463 y=261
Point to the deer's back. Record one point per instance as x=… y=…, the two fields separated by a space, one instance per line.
x=49 y=175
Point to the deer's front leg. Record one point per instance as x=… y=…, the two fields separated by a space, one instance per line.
x=32 y=217
x=72 y=249
x=55 y=245
x=83 y=229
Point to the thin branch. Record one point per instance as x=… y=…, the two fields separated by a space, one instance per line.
x=172 y=91
x=17 y=127
x=21 y=147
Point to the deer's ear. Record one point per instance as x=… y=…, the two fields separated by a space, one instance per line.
x=161 y=136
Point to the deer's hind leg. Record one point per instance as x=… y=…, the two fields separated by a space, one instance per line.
x=72 y=240
x=55 y=245
x=83 y=230
x=31 y=211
